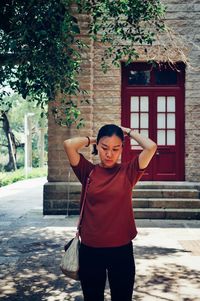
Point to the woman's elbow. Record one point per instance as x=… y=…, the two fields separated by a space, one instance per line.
x=66 y=143
x=154 y=147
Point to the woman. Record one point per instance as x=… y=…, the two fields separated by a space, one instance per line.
x=108 y=225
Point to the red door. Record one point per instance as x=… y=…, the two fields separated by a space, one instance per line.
x=156 y=111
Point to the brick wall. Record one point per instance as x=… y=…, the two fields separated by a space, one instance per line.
x=184 y=17
x=104 y=93
x=59 y=170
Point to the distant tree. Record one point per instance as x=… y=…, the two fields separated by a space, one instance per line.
x=40 y=46
x=12 y=123
x=11 y=142
x=8 y=140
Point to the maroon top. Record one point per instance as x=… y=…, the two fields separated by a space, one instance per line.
x=108 y=219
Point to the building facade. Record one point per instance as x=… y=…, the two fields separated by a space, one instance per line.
x=160 y=102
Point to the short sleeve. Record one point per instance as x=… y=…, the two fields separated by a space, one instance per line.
x=133 y=171
x=83 y=169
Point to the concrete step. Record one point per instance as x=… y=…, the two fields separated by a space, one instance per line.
x=161 y=213
x=151 y=200
x=166 y=203
x=154 y=213
x=167 y=185
x=166 y=193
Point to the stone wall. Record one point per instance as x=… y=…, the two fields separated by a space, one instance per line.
x=59 y=170
x=184 y=18
x=104 y=93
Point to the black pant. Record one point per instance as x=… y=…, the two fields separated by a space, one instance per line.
x=120 y=265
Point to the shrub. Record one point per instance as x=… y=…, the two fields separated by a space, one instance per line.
x=7 y=178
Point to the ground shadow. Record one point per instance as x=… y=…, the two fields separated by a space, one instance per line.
x=168 y=283
x=152 y=252
x=30 y=258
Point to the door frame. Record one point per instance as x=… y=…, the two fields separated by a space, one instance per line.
x=180 y=113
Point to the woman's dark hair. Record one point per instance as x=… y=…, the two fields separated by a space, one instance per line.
x=108 y=130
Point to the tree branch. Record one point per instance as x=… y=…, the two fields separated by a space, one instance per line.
x=20 y=145
x=14 y=59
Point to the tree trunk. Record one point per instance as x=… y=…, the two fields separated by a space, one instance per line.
x=6 y=127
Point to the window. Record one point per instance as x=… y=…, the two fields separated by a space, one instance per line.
x=138 y=77
x=166 y=120
x=146 y=74
x=165 y=77
x=139 y=117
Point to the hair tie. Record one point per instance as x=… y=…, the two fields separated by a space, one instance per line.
x=88 y=141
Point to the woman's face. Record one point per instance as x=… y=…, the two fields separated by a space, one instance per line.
x=109 y=150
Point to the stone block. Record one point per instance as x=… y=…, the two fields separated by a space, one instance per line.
x=106 y=94
x=192 y=93
x=107 y=87
x=111 y=72
x=179 y=7
x=56 y=197
x=107 y=101
x=109 y=109
x=47 y=204
x=107 y=80
x=192 y=101
x=107 y=118
x=183 y=214
x=149 y=214
x=182 y=15
x=64 y=204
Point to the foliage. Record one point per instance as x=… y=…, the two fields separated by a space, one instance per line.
x=22 y=107
x=16 y=118
x=123 y=25
x=7 y=178
x=40 y=45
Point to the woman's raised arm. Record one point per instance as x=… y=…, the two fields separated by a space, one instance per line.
x=72 y=146
x=148 y=145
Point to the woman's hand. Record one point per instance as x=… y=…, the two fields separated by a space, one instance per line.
x=125 y=130
x=93 y=140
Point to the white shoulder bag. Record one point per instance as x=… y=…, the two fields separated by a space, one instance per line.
x=70 y=260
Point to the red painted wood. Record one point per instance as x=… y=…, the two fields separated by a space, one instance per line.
x=168 y=163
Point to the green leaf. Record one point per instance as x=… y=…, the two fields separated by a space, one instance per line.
x=75 y=29
x=42 y=40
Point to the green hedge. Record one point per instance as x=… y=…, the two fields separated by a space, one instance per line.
x=7 y=178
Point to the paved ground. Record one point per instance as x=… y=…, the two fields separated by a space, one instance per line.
x=167 y=253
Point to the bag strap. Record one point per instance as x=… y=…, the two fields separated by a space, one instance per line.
x=83 y=203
